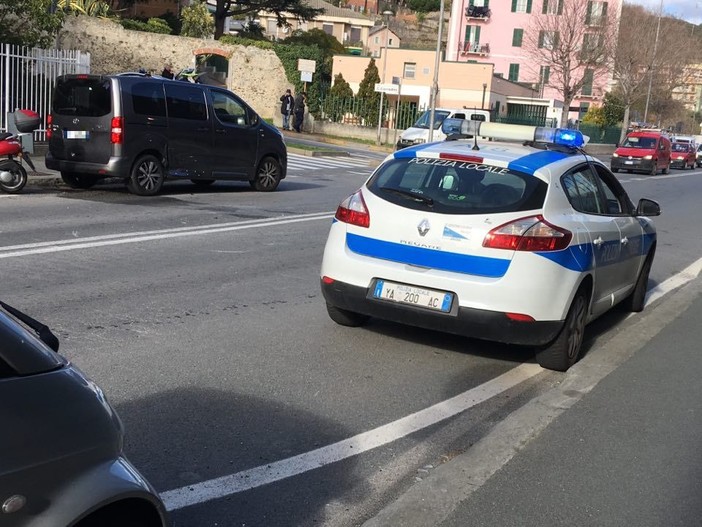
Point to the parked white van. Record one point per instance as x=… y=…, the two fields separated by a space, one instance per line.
x=418 y=133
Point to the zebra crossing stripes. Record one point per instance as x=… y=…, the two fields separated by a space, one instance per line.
x=300 y=162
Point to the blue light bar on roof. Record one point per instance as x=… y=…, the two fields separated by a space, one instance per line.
x=515 y=132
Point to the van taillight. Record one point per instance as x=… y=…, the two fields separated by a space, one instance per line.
x=49 y=126
x=116 y=134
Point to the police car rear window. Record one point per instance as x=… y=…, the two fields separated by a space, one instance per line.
x=87 y=97
x=456 y=187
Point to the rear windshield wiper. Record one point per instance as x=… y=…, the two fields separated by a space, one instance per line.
x=42 y=330
x=410 y=195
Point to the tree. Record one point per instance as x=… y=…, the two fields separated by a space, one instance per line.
x=29 y=22
x=574 y=42
x=327 y=45
x=280 y=8
x=367 y=93
x=341 y=88
x=197 y=21
x=613 y=109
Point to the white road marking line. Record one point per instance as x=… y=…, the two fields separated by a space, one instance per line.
x=688 y=274
x=655 y=178
x=353 y=446
x=137 y=237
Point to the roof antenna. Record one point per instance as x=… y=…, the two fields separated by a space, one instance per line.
x=475 y=145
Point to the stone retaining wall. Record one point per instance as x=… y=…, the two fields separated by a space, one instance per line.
x=256 y=75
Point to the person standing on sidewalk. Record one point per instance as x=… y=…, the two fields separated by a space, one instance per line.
x=299 y=111
x=287 y=103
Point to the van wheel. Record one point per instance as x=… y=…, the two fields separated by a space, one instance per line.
x=147 y=176
x=654 y=169
x=267 y=175
x=77 y=180
x=562 y=353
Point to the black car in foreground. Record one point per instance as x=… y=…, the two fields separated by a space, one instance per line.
x=61 y=459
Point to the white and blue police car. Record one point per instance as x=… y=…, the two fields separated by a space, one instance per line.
x=522 y=239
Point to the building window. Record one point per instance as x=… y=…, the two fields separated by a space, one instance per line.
x=548 y=39
x=328 y=28
x=377 y=40
x=390 y=42
x=478 y=3
x=408 y=70
x=517 y=36
x=521 y=6
x=552 y=7
x=544 y=75
x=588 y=78
x=513 y=72
x=272 y=26
x=355 y=34
x=584 y=107
x=596 y=13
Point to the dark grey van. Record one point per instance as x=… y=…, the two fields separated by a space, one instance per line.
x=148 y=129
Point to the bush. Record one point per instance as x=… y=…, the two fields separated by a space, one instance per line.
x=197 y=21
x=158 y=25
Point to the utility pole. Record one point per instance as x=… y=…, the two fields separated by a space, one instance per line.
x=386 y=15
x=435 y=84
x=650 y=72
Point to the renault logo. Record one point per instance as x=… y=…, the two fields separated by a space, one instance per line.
x=423 y=227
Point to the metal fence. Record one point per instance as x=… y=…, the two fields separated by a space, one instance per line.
x=27 y=78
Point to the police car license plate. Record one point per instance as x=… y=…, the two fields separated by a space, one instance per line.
x=76 y=134
x=414 y=296
x=628 y=162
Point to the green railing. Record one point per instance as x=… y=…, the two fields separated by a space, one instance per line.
x=608 y=135
x=359 y=111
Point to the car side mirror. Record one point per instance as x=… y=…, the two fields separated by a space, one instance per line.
x=648 y=207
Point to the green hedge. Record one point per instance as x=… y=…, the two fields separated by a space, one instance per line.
x=152 y=25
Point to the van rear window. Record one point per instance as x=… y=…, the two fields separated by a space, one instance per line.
x=89 y=97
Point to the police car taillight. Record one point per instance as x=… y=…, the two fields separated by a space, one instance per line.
x=528 y=234
x=353 y=210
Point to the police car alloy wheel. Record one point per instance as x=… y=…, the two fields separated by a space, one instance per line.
x=523 y=239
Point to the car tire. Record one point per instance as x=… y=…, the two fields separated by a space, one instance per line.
x=78 y=180
x=615 y=170
x=635 y=302
x=346 y=318
x=202 y=182
x=268 y=175
x=147 y=176
x=563 y=352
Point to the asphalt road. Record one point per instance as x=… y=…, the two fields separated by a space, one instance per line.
x=199 y=314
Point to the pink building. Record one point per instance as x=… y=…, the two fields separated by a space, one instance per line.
x=494 y=31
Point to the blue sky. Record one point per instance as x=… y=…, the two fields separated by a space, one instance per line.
x=690 y=10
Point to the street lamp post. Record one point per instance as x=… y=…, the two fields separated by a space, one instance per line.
x=482 y=105
x=435 y=84
x=386 y=15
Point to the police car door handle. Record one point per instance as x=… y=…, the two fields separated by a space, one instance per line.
x=598 y=241
x=625 y=240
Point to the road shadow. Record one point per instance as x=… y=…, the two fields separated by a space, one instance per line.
x=185 y=436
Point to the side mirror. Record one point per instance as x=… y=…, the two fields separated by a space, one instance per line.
x=648 y=207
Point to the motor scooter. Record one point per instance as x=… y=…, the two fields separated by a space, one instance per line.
x=13 y=176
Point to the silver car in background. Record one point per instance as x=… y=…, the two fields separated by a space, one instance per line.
x=61 y=459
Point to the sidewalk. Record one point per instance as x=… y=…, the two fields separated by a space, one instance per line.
x=616 y=443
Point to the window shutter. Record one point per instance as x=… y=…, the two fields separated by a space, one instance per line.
x=471 y=3
x=467 y=37
x=556 y=40
x=514 y=72
x=517 y=37
x=529 y=6
x=514 y=6
x=486 y=4
x=588 y=14
x=560 y=7
x=542 y=35
x=604 y=10
x=544 y=9
x=476 y=40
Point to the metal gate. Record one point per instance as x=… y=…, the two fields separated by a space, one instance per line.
x=27 y=78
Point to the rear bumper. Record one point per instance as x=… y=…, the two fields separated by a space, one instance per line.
x=469 y=322
x=115 y=167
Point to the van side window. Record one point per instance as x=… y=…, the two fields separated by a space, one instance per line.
x=148 y=99
x=477 y=117
x=228 y=109
x=184 y=102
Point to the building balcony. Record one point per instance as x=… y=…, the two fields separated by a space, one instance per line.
x=474 y=48
x=478 y=13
